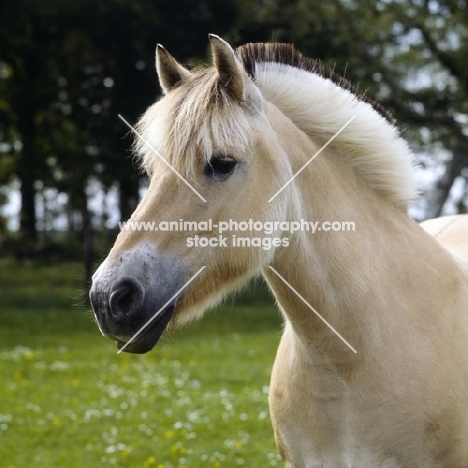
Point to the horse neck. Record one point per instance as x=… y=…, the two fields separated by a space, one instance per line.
x=361 y=282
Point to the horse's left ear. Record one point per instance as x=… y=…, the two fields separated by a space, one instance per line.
x=230 y=72
x=170 y=72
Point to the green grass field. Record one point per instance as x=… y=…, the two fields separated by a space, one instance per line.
x=67 y=399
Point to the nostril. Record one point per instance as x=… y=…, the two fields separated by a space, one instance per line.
x=126 y=299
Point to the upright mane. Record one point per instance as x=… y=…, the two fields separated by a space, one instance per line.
x=320 y=102
x=286 y=54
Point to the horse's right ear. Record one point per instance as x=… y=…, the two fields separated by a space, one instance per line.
x=170 y=72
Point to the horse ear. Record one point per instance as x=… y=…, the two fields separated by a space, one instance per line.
x=170 y=72
x=230 y=72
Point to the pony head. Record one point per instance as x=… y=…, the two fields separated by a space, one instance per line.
x=212 y=157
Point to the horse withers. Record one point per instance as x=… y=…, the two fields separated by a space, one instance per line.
x=237 y=140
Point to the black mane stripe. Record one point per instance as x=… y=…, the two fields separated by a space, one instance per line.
x=286 y=54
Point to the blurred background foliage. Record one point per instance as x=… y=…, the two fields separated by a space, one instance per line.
x=67 y=69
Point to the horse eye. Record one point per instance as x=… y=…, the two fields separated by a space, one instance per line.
x=220 y=166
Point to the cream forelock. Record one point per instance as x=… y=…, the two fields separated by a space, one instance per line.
x=191 y=123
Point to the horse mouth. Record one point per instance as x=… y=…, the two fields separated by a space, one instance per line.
x=150 y=335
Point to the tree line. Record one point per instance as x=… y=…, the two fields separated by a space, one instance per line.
x=67 y=69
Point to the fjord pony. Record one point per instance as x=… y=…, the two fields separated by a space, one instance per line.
x=237 y=133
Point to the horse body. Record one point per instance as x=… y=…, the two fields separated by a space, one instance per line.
x=393 y=290
x=451 y=232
